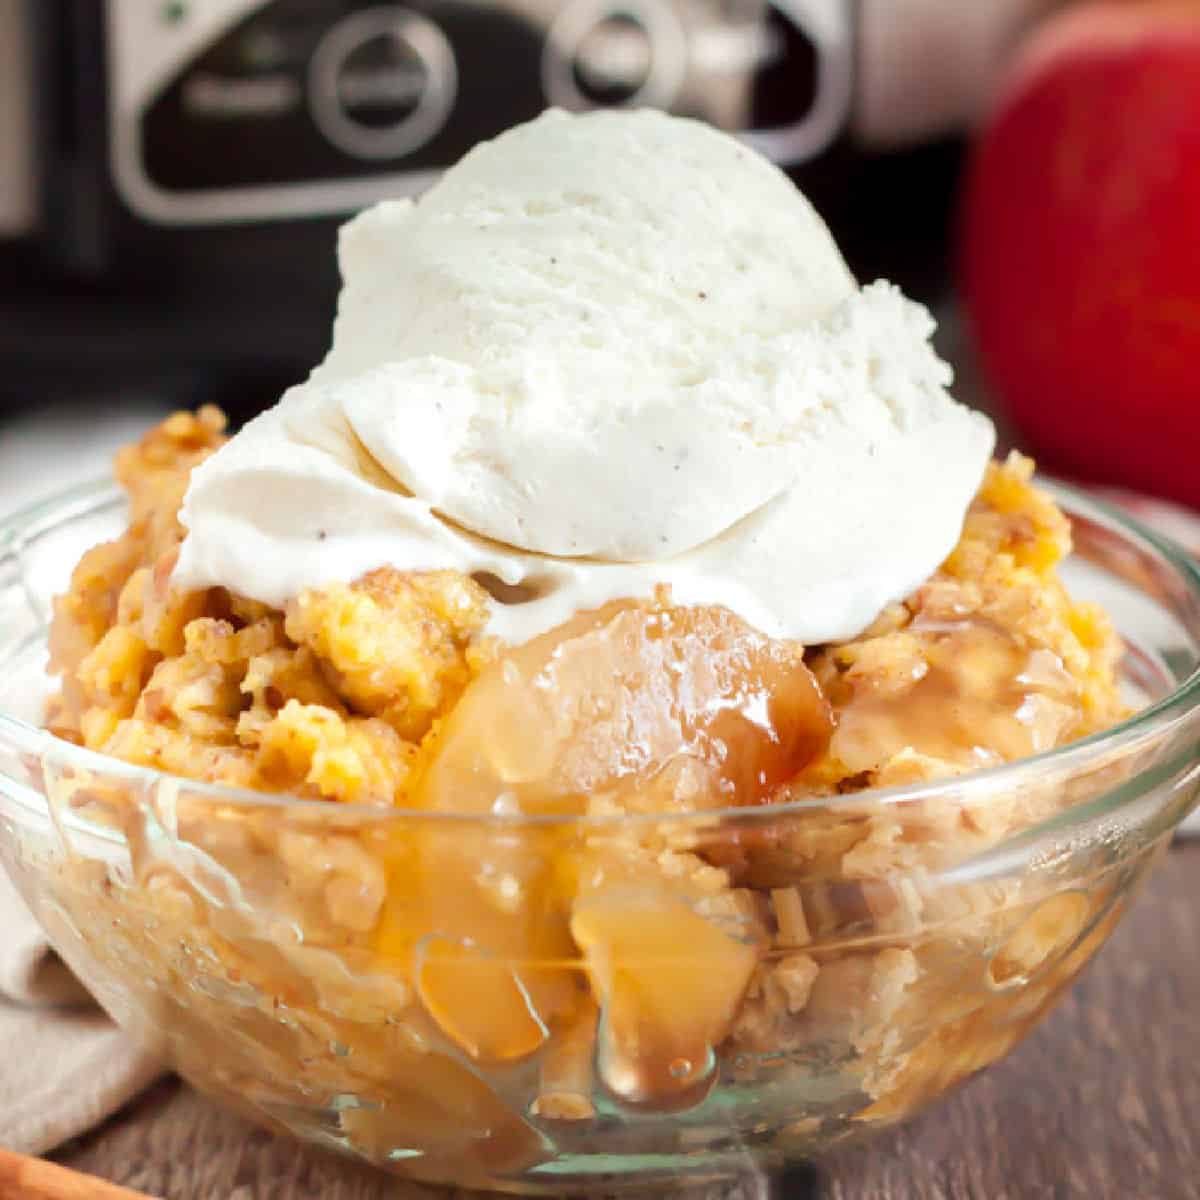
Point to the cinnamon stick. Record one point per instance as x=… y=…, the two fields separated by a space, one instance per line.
x=25 y=1178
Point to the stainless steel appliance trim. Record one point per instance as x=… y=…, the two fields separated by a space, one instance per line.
x=829 y=25
x=668 y=51
x=142 y=56
x=425 y=39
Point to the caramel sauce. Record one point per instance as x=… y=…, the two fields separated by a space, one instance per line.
x=976 y=695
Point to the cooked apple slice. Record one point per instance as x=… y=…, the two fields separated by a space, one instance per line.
x=479 y=1002
x=438 y=1119
x=668 y=982
x=475 y=919
x=618 y=694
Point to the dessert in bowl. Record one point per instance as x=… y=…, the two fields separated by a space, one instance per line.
x=613 y=721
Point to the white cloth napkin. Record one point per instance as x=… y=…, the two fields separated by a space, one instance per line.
x=64 y=1066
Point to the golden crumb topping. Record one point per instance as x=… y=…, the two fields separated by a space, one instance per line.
x=990 y=660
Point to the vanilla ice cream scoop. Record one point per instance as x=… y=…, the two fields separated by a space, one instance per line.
x=585 y=317
x=605 y=352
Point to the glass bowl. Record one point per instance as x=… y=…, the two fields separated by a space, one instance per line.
x=731 y=990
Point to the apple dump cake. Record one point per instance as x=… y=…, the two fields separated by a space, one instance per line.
x=616 y=499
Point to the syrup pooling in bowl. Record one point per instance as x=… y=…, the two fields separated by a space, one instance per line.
x=634 y=707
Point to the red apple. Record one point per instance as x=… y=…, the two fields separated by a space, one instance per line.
x=1080 y=245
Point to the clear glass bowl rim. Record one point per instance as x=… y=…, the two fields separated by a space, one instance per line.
x=1160 y=720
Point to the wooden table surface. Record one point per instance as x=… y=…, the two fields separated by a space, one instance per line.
x=1103 y=1100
